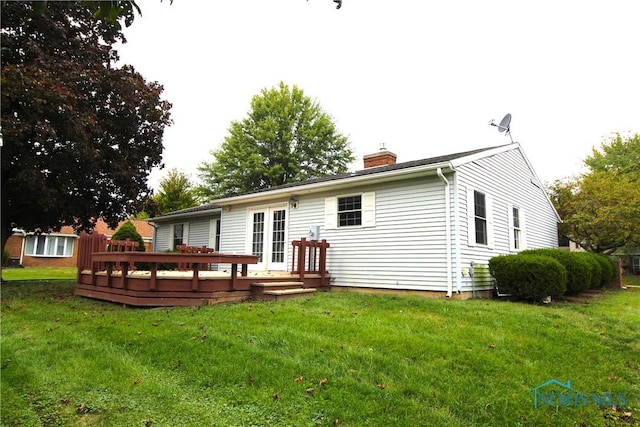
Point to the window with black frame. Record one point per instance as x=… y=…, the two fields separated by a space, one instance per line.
x=349 y=211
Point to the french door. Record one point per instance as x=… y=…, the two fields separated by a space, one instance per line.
x=268 y=237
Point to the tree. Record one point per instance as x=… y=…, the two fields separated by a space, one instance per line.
x=285 y=138
x=600 y=209
x=80 y=136
x=176 y=192
x=128 y=231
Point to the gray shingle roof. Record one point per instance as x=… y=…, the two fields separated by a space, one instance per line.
x=344 y=176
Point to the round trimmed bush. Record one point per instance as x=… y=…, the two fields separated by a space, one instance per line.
x=594 y=266
x=128 y=231
x=609 y=270
x=530 y=277
x=578 y=268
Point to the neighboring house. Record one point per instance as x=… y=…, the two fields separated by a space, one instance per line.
x=59 y=249
x=425 y=225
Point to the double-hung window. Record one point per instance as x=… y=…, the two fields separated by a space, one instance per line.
x=49 y=245
x=349 y=211
x=480 y=217
x=179 y=235
x=517 y=230
x=353 y=210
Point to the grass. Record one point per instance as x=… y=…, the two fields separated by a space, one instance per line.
x=371 y=360
x=39 y=273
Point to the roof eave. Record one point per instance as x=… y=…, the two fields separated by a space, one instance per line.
x=343 y=183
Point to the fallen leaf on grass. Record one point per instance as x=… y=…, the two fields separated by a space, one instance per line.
x=275 y=396
x=381 y=386
x=492 y=346
x=310 y=390
x=299 y=379
x=323 y=381
x=136 y=382
x=336 y=422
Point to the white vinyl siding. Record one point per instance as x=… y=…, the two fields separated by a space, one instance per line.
x=507 y=179
x=403 y=246
x=199 y=232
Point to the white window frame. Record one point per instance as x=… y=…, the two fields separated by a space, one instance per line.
x=471 y=218
x=185 y=234
x=367 y=206
x=50 y=245
x=513 y=229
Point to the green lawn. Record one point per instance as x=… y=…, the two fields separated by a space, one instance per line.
x=337 y=358
x=39 y=273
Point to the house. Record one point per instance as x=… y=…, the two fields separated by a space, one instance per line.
x=427 y=226
x=59 y=249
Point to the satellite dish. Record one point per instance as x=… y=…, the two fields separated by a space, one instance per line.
x=504 y=125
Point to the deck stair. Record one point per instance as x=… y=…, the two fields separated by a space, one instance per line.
x=273 y=291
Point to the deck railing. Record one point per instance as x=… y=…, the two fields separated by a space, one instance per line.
x=310 y=257
x=90 y=243
x=185 y=249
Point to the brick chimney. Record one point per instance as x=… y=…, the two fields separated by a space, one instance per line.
x=381 y=158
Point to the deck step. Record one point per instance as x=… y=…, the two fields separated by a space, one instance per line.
x=281 y=294
x=286 y=284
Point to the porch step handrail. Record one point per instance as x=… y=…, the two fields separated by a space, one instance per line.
x=310 y=257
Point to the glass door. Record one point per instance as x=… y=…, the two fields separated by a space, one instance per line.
x=268 y=237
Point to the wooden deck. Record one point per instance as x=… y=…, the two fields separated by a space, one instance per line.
x=112 y=276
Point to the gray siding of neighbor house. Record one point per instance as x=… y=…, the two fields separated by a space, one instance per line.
x=507 y=179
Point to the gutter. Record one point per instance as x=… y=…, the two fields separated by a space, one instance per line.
x=447 y=214
x=345 y=182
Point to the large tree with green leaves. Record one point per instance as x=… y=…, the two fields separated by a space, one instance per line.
x=80 y=134
x=285 y=138
x=600 y=209
x=176 y=192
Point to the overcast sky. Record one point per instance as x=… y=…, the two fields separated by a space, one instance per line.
x=422 y=77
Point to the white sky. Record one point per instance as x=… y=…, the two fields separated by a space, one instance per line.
x=422 y=77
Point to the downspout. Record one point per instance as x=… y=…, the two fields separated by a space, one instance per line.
x=456 y=232
x=24 y=238
x=447 y=218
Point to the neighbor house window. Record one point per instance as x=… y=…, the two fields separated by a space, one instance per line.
x=49 y=246
x=349 y=211
x=480 y=215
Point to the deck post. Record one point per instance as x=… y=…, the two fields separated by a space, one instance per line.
x=154 y=275
x=302 y=252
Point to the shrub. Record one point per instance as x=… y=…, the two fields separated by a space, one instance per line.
x=594 y=266
x=578 y=268
x=5 y=258
x=609 y=269
x=530 y=277
x=128 y=231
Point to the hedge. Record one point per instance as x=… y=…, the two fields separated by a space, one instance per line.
x=531 y=277
x=579 y=270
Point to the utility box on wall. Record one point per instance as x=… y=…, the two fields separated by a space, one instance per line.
x=313 y=233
